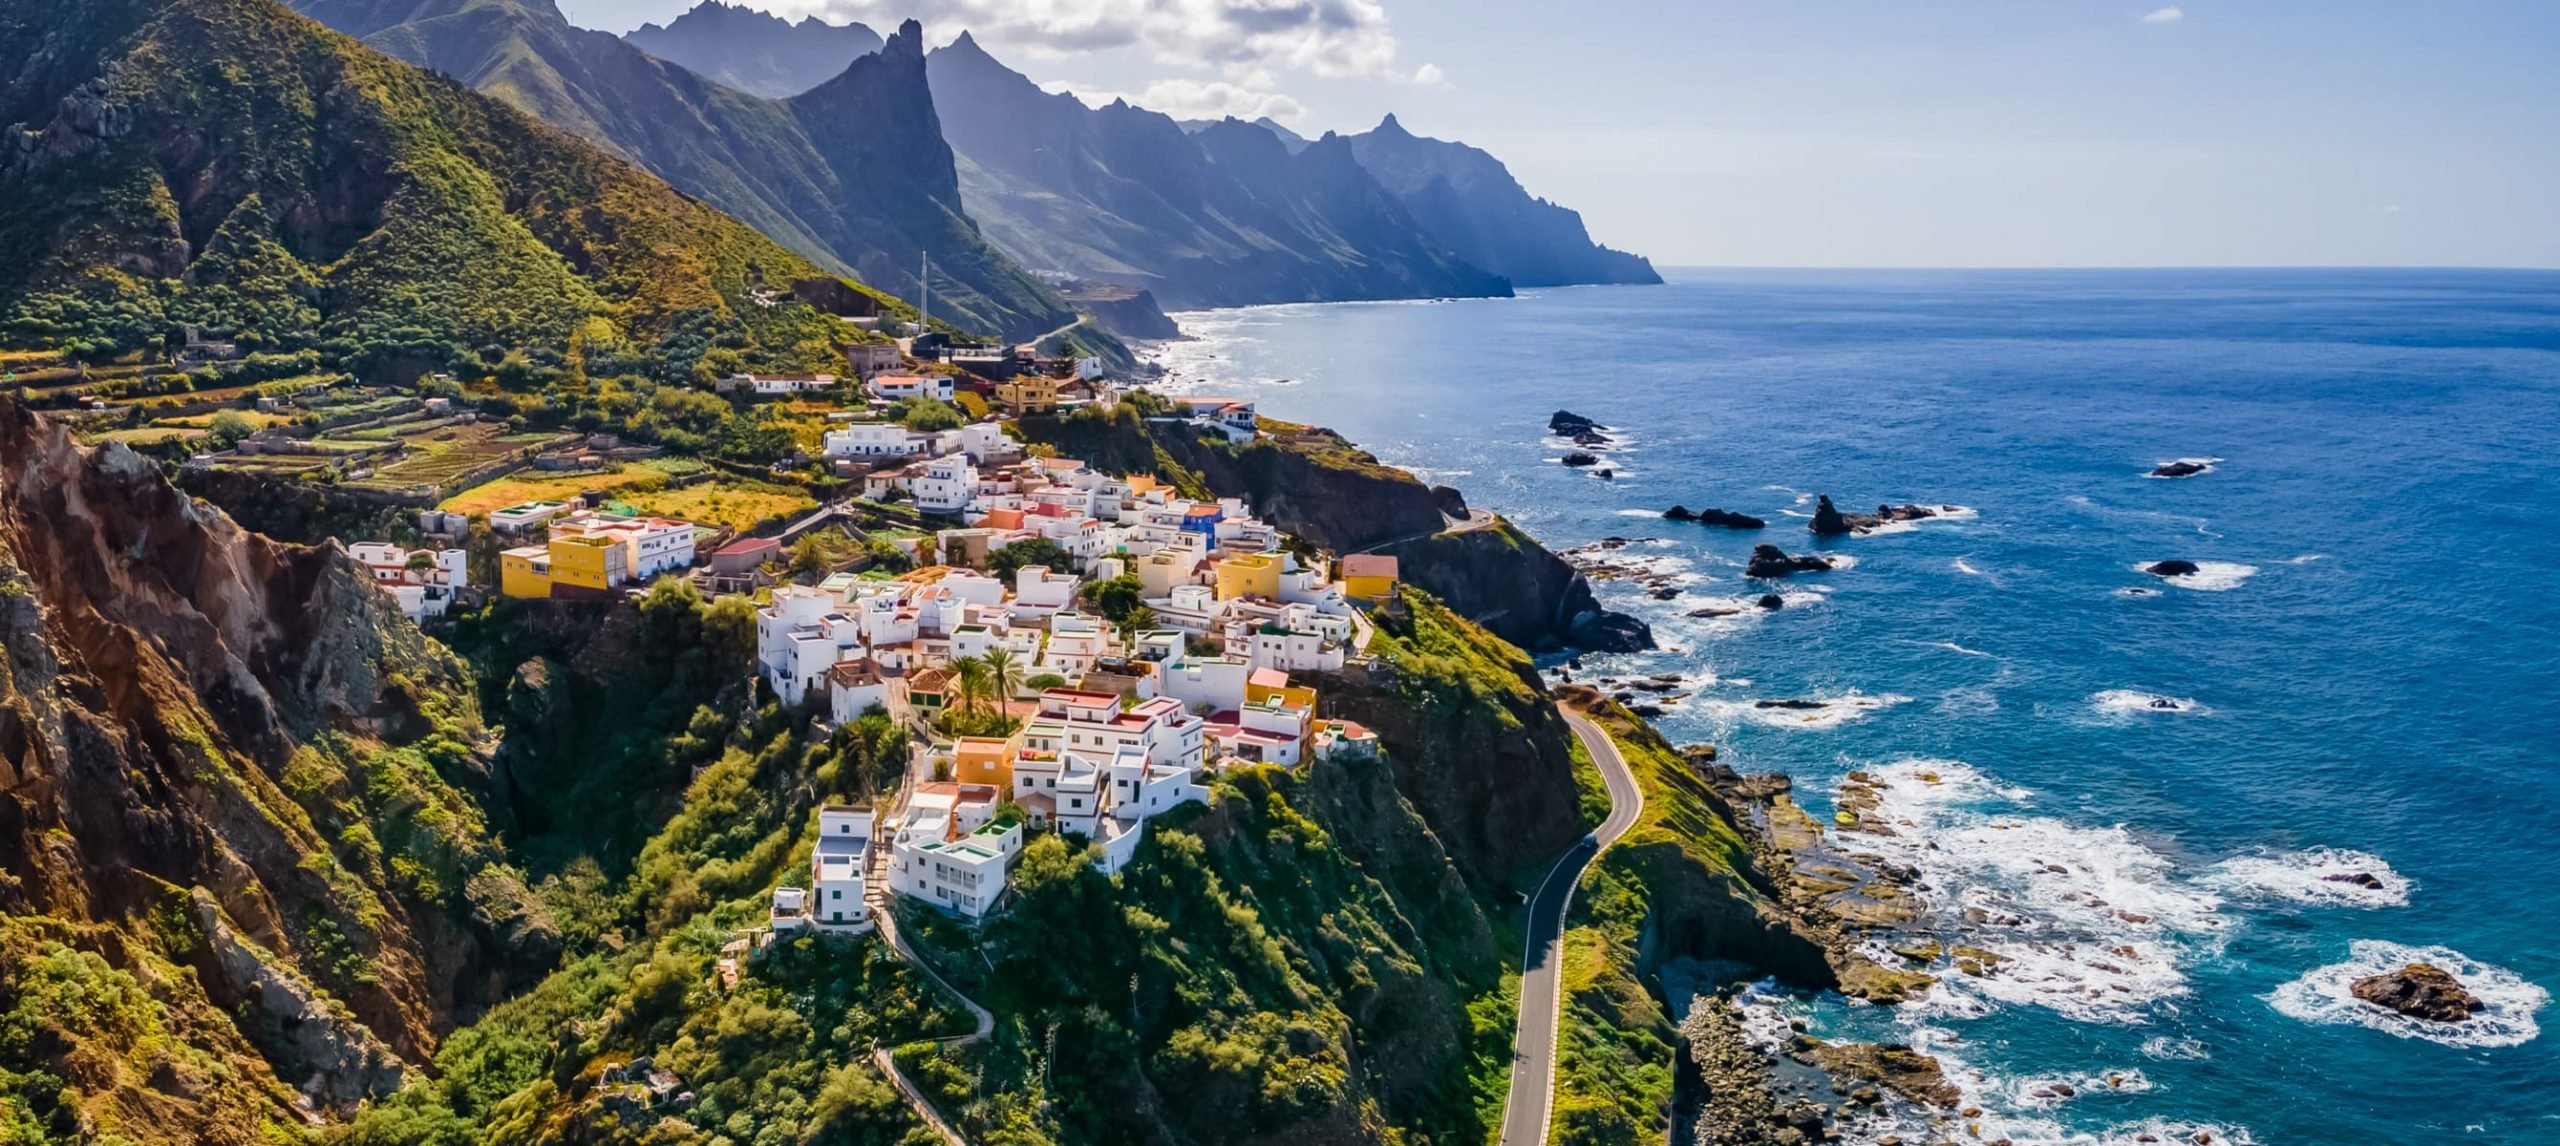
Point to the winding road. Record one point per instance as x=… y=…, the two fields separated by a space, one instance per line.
x=1533 y=1048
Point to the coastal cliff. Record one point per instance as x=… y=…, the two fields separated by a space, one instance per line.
x=1314 y=483
x=232 y=815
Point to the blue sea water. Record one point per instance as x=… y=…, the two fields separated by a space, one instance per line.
x=2366 y=672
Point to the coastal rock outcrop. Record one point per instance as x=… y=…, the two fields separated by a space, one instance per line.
x=2171 y=568
x=1769 y=561
x=1566 y=424
x=1828 y=521
x=2420 y=991
x=1579 y=459
x=2180 y=468
x=1726 y=518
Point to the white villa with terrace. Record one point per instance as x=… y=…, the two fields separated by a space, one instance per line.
x=421 y=593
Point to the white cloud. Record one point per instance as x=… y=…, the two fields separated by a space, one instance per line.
x=1194 y=99
x=1430 y=76
x=1325 y=37
x=2169 y=15
x=2388 y=209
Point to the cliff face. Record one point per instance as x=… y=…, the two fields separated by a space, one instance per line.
x=1314 y=483
x=215 y=753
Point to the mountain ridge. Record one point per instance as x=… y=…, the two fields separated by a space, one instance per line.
x=786 y=167
x=1470 y=201
x=1207 y=218
x=755 y=51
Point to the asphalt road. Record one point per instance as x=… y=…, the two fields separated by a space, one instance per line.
x=1533 y=1048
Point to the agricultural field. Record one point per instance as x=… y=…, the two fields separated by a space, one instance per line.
x=649 y=487
x=731 y=503
x=440 y=453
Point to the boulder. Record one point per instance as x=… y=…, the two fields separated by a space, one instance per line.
x=1580 y=458
x=1828 y=521
x=1771 y=601
x=1566 y=423
x=2170 y=568
x=2179 y=469
x=1602 y=631
x=1726 y=518
x=2420 y=991
x=2364 y=879
x=1769 y=561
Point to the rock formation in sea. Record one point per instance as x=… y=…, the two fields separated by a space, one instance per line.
x=2171 y=568
x=1723 y=517
x=1828 y=521
x=2420 y=991
x=2179 y=469
x=1769 y=561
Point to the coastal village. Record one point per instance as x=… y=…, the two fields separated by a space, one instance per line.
x=1029 y=706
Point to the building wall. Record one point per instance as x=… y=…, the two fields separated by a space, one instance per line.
x=1255 y=576
x=518 y=577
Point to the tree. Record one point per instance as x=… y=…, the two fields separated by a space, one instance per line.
x=968 y=682
x=926 y=415
x=809 y=556
x=227 y=428
x=1118 y=598
x=1004 y=563
x=1004 y=676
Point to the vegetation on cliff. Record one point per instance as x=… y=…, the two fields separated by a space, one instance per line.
x=230 y=165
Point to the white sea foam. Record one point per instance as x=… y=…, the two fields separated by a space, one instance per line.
x=2018 y=1109
x=1953 y=647
x=2086 y=921
x=2308 y=558
x=2318 y=876
x=1945 y=513
x=2326 y=995
x=1966 y=567
x=1819 y=713
x=2168 y=1048
x=2126 y=702
x=2209 y=577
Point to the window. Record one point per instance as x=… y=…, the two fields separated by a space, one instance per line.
x=835 y=893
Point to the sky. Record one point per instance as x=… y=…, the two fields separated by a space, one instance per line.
x=1880 y=133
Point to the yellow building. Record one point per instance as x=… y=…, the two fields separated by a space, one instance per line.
x=587 y=566
x=525 y=572
x=985 y=760
x=1029 y=394
x=1368 y=577
x=1252 y=575
x=1273 y=684
x=566 y=567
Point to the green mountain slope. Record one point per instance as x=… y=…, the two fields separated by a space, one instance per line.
x=1126 y=195
x=754 y=51
x=228 y=164
x=814 y=172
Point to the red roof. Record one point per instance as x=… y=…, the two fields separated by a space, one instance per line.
x=746 y=545
x=1369 y=565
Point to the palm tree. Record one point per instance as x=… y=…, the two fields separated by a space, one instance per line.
x=968 y=681
x=1004 y=677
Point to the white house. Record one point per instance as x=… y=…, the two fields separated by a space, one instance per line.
x=946 y=485
x=775 y=385
x=900 y=387
x=651 y=545
x=520 y=517
x=985 y=442
x=855 y=687
x=874 y=440
x=844 y=839
x=421 y=593
x=1190 y=608
x=1038 y=593
x=950 y=852
x=1214 y=683
x=800 y=637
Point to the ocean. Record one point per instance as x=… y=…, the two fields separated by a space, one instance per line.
x=2129 y=788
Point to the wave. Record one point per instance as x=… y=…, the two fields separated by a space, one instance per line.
x=2308 y=558
x=2318 y=876
x=2209 y=577
x=1966 y=567
x=1953 y=647
x=2169 y=1048
x=2084 y=921
x=2123 y=702
x=1825 y=712
x=2326 y=996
